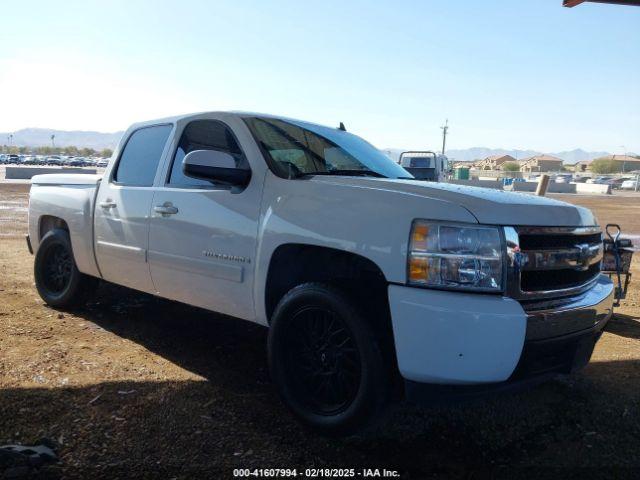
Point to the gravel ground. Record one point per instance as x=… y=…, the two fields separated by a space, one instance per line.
x=135 y=386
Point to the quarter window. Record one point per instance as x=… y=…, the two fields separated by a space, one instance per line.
x=203 y=135
x=141 y=156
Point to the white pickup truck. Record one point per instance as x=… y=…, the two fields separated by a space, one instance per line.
x=374 y=286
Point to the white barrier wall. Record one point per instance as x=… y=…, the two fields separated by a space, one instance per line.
x=24 y=173
x=553 y=187
x=593 y=188
x=584 y=188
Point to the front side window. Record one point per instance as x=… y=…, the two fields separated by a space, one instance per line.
x=203 y=135
x=299 y=148
x=141 y=156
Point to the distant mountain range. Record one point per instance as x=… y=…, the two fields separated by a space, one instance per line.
x=41 y=137
x=478 y=153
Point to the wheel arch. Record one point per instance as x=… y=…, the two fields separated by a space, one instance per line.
x=81 y=246
x=46 y=223
x=361 y=279
x=294 y=263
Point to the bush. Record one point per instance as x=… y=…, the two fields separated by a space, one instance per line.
x=510 y=167
x=602 y=165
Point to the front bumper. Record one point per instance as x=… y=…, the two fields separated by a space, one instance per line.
x=454 y=338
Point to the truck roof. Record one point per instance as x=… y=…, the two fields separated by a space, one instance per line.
x=235 y=113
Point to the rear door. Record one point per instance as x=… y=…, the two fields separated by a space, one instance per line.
x=123 y=207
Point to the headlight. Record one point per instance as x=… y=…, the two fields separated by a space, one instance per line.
x=455 y=256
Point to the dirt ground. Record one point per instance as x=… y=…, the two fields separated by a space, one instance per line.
x=622 y=208
x=135 y=386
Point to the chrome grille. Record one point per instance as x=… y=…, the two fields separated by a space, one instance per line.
x=552 y=261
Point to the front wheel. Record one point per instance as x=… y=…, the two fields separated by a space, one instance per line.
x=325 y=360
x=58 y=280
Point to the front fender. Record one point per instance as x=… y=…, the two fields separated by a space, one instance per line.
x=372 y=223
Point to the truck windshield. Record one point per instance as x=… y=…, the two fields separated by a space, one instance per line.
x=298 y=148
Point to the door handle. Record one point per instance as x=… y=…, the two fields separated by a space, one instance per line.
x=166 y=209
x=108 y=204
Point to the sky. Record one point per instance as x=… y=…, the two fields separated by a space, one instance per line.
x=526 y=74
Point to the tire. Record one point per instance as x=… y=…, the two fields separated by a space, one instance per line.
x=326 y=361
x=58 y=280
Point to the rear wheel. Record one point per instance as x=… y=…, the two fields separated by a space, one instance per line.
x=325 y=360
x=58 y=280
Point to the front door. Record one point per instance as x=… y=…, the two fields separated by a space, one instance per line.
x=123 y=207
x=202 y=237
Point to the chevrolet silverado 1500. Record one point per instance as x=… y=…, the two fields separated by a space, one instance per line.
x=373 y=285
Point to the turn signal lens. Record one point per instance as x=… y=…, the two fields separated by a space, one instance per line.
x=419 y=237
x=418 y=270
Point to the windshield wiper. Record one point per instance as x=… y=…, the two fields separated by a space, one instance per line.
x=345 y=173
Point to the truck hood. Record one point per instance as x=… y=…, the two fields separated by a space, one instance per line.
x=488 y=206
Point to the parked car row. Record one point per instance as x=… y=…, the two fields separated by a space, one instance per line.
x=615 y=182
x=558 y=178
x=53 y=160
x=630 y=184
x=626 y=182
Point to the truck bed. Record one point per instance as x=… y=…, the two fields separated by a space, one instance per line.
x=70 y=197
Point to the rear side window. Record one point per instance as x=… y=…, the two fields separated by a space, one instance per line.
x=203 y=135
x=141 y=156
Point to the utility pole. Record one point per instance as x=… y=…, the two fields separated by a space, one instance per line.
x=445 y=129
x=53 y=144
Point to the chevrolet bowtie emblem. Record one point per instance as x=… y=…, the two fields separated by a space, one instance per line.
x=584 y=256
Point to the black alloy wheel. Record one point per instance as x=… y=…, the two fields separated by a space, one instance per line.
x=324 y=361
x=58 y=280
x=58 y=268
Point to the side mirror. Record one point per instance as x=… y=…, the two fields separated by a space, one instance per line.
x=215 y=166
